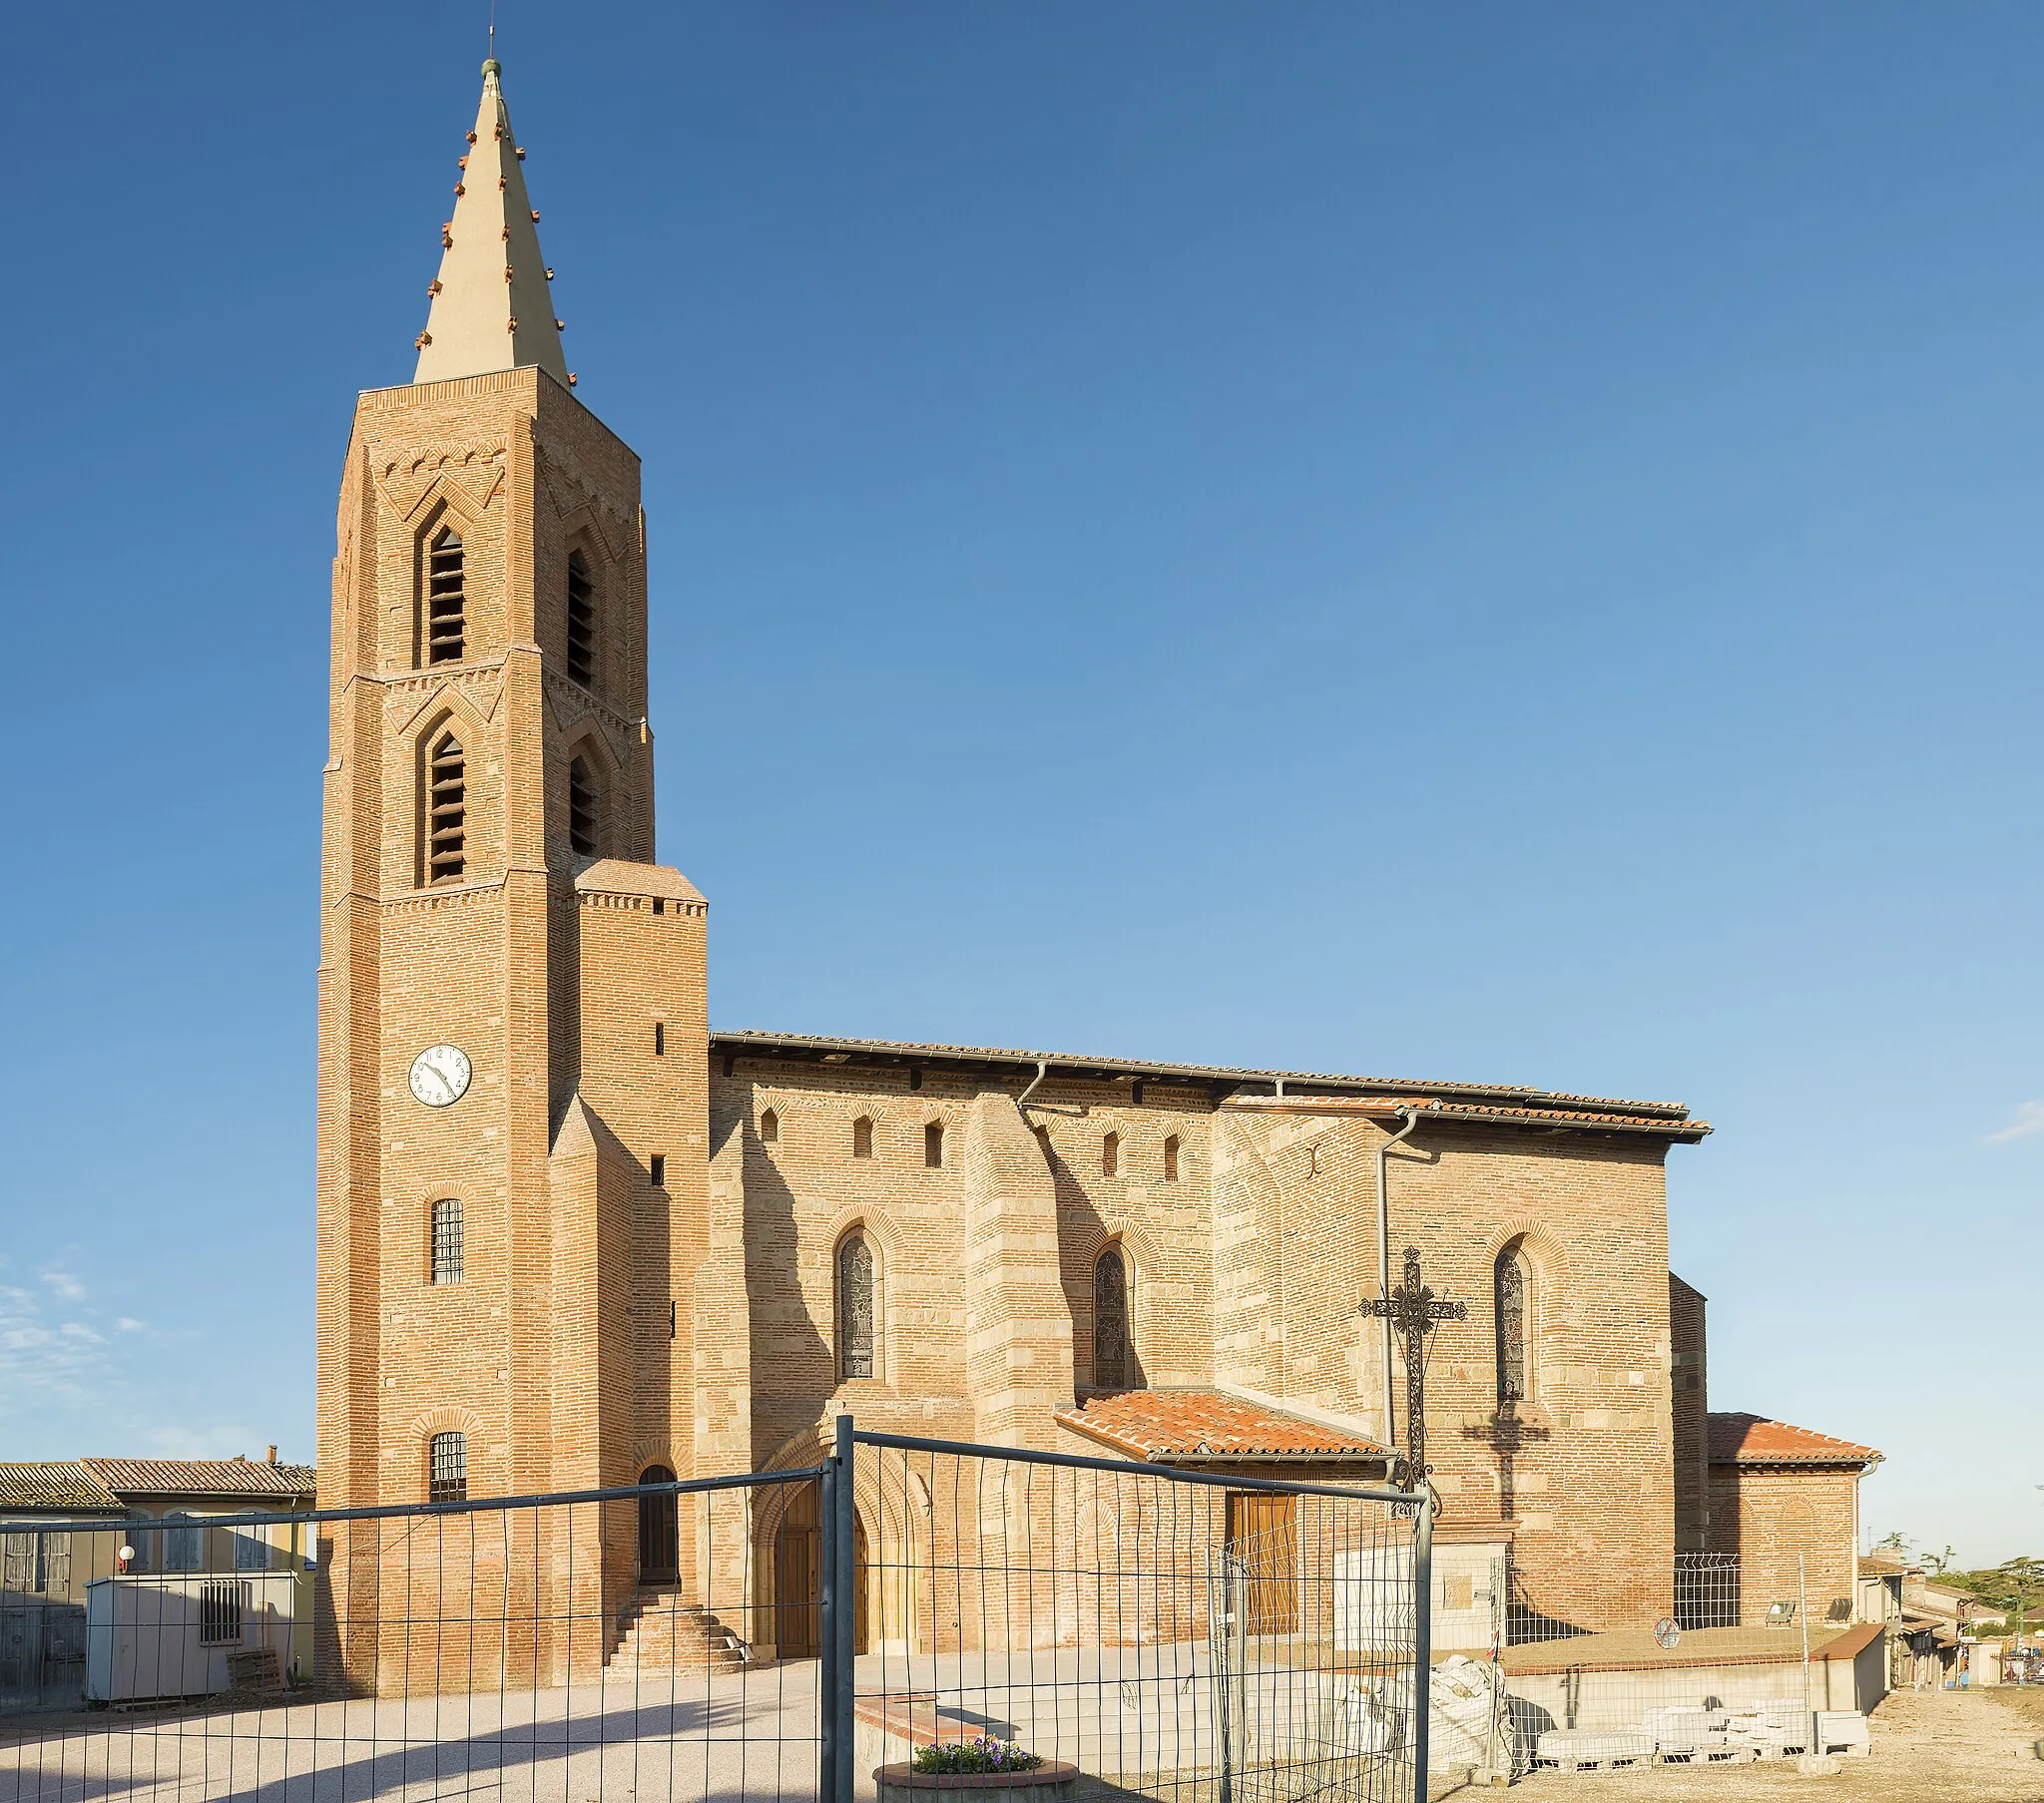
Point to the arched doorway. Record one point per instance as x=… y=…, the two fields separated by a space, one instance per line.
x=659 y=1542
x=798 y=1577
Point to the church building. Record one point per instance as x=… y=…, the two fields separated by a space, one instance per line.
x=570 y=1235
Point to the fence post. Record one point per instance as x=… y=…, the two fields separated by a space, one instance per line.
x=1422 y=1641
x=830 y=1727
x=844 y=1629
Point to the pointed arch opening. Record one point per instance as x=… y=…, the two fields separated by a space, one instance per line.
x=446 y=810
x=858 y=1336
x=1512 y=1290
x=584 y=809
x=1114 y=1358
x=443 y=609
x=581 y=645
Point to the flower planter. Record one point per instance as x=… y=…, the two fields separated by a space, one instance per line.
x=1050 y=1782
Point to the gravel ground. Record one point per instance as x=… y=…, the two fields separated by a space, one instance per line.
x=1934 y=1746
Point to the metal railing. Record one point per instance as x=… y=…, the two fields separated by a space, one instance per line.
x=775 y=1635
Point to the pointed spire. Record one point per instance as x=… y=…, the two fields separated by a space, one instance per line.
x=491 y=308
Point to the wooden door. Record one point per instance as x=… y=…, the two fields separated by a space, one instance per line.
x=1263 y=1531
x=798 y=1577
x=658 y=1526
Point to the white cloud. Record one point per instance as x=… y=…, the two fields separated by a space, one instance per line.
x=2029 y=1120
x=64 y=1284
x=78 y=1330
x=129 y=1324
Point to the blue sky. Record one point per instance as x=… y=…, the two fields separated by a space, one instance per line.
x=1490 y=543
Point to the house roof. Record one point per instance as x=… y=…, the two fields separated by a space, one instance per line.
x=1172 y=1426
x=64 y=1484
x=1506 y=1104
x=1755 y=1440
x=201 y=1477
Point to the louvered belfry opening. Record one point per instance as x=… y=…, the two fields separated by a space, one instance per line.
x=445 y=606
x=580 y=809
x=581 y=621
x=446 y=810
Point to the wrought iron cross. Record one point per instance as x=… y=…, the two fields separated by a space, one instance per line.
x=1414 y=1311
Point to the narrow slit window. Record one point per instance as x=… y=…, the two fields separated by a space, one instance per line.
x=446 y=608
x=581 y=621
x=1111 y=1155
x=1170 y=1159
x=580 y=809
x=657 y=1170
x=446 y=811
x=856 y=1308
x=1110 y=1321
x=862 y=1137
x=933 y=1144
x=447 y=1253
x=660 y=1039
x=447 y=1468
x=769 y=1127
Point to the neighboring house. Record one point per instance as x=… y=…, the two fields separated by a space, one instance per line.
x=157 y=1509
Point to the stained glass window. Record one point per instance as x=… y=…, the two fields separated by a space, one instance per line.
x=856 y=1308
x=1511 y=1326
x=1110 y=1321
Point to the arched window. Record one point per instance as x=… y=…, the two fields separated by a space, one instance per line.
x=856 y=1337
x=448 y=1241
x=1170 y=1159
x=581 y=808
x=933 y=1144
x=1111 y=1155
x=447 y=1468
x=1514 y=1309
x=1111 y=1359
x=446 y=810
x=581 y=621
x=445 y=608
x=769 y=1127
x=862 y=1137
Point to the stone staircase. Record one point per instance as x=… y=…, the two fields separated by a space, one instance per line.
x=661 y=1632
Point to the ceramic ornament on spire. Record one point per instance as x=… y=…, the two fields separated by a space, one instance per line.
x=491 y=307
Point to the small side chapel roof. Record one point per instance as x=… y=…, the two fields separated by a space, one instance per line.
x=1165 y=1427
x=491 y=306
x=1755 y=1440
x=1500 y=1103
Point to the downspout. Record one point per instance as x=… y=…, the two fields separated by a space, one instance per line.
x=1042 y=1069
x=1410 y=1116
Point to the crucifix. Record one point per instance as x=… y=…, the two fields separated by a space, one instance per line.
x=1414 y=1311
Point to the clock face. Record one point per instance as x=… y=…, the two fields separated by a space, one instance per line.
x=439 y=1076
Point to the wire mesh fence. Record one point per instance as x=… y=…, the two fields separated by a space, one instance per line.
x=785 y=1633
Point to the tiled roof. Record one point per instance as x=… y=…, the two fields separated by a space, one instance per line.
x=201 y=1477
x=1755 y=1440
x=1166 y=1426
x=62 y=1484
x=1602 y=1118
x=1671 y=1116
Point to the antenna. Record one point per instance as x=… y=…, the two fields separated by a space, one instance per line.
x=493 y=27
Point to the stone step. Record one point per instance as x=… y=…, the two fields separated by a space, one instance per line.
x=660 y=1632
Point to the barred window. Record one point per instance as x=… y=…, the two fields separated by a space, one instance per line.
x=1111 y=1321
x=1111 y=1155
x=445 y=608
x=1512 y=1306
x=856 y=1308
x=933 y=1144
x=220 y=1612
x=448 y=1241
x=1170 y=1159
x=446 y=810
x=447 y=1468
x=581 y=808
x=862 y=1137
x=581 y=621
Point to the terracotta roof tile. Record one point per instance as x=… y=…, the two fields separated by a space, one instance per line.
x=1166 y=1426
x=64 y=1484
x=1755 y=1440
x=201 y=1477
x=1601 y=1118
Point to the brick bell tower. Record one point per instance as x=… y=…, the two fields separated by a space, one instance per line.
x=512 y=1165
